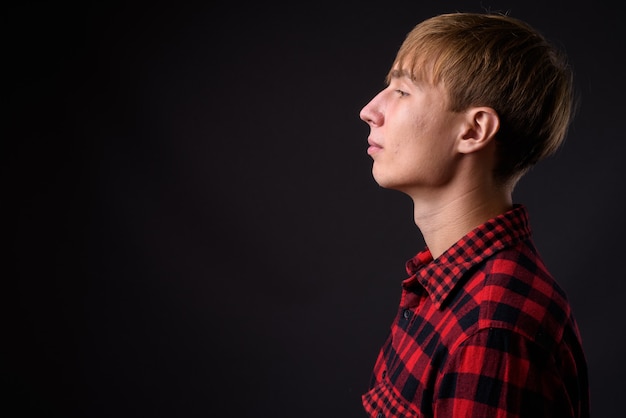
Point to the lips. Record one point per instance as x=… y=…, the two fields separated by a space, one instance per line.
x=374 y=146
x=373 y=143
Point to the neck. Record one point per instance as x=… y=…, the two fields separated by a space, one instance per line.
x=445 y=218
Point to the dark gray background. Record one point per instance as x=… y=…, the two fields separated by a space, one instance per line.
x=193 y=225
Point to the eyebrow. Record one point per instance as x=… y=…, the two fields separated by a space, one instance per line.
x=396 y=73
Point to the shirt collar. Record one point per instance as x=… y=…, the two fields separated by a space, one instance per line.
x=440 y=276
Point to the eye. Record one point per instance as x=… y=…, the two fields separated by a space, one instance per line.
x=402 y=93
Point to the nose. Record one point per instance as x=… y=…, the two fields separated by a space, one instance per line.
x=371 y=113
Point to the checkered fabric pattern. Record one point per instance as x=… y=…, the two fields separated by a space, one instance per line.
x=482 y=331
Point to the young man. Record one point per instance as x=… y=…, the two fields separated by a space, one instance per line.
x=483 y=330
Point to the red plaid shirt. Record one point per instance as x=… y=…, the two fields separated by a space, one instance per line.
x=483 y=331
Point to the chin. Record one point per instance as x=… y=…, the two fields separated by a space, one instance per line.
x=385 y=183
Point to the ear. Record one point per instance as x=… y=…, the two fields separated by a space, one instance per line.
x=479 y=130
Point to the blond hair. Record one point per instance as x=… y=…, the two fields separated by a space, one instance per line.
x=501 y=62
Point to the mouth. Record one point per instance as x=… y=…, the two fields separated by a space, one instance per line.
x=374 y=146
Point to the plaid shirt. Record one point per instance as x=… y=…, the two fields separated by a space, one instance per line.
x=482 y=331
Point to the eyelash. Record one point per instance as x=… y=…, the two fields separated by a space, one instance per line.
x=402 y=93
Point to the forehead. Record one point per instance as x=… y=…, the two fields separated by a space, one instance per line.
x=396 y=72
x=418 y=67
x=416 y=76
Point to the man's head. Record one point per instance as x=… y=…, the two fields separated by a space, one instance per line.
x=502 y=63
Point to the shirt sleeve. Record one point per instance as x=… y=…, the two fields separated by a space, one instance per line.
x=499 y=373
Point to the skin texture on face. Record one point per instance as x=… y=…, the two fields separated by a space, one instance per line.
x=413 y=136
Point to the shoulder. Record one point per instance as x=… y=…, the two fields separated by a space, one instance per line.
x=517 y=292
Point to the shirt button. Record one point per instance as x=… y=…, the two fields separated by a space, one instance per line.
x=380 y=415
x=406 y=314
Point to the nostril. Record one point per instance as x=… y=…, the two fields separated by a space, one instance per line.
x=368 y=116
x=363 y=115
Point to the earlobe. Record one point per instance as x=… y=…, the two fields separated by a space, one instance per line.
x=482 y=124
